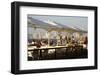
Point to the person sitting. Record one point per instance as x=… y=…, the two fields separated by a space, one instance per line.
x=86 y=41
x=38 y=44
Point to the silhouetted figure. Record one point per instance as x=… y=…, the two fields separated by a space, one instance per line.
x=86 y=41
x=38 y=44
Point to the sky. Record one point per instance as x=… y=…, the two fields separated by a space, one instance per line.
x=71 y=21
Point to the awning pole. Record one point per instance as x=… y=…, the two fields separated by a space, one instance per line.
x=48 y=38
x=57 y=39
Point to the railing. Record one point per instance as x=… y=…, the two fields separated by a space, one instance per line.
x=38 y=52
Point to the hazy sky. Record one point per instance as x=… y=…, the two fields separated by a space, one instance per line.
x=71 y=21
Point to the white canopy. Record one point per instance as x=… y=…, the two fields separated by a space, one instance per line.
x=51 y=25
